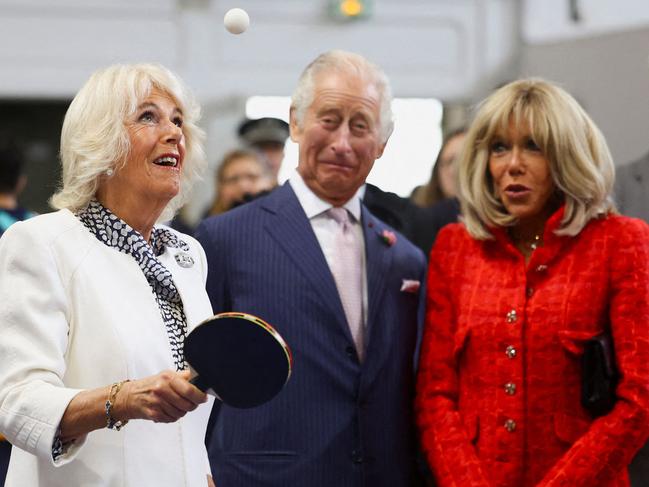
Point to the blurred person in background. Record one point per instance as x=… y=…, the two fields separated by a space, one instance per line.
x=240 y=177
x=97 y=298
x=632 y=189
x=417 y=224
x=540 y=265
x=12 y=183
x=268 y=136
x=435 y=203
x=442 y=183
x=632 y=198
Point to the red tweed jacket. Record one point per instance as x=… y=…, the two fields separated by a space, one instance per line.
x=498 y=399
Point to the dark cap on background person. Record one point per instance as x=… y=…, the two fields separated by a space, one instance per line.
x=267 y=135
x=263 y=131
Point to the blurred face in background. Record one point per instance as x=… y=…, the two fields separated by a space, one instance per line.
x=448 y=165
x=243 y=176
x=274 y=154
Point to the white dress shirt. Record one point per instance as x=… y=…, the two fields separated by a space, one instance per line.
x=325 y=227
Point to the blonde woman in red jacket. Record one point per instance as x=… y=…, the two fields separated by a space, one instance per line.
x=540 y=264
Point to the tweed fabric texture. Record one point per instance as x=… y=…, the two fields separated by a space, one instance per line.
x=498 y=389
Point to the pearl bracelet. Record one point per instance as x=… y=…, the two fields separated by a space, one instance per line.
x=111 y=423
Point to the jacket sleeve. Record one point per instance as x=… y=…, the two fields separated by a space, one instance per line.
x=206 y=234
x=34 y=330
x=444 y=439
x=612 y=440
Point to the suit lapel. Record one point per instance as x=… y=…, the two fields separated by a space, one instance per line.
x=291 y=229
x=378 y=255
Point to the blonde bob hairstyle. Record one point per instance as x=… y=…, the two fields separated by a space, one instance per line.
x=348 y=63
x=95 y=139
x=580 y=162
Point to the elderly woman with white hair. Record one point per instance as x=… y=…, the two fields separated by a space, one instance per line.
x=97 y=298
x=539 y=271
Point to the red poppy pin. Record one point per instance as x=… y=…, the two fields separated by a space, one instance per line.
x=388 y=237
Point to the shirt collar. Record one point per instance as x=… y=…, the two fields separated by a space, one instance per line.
x=313 y=205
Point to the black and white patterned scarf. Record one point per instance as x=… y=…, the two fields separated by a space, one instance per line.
x=116 y=233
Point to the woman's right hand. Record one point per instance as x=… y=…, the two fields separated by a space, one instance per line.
x=162 y=398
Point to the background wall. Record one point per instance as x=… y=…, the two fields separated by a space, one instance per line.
x=609 y=75
x=454 y=50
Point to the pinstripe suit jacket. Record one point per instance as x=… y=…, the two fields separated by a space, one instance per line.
x=337 y=422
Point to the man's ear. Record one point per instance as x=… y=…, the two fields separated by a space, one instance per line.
x=295 y=130
x=379 y=152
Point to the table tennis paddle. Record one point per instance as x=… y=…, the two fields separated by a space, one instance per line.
x=239 y=357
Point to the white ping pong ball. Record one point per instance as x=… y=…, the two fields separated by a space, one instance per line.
x=236 y=20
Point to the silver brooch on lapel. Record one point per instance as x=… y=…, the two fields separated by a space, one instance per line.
x=184 y=260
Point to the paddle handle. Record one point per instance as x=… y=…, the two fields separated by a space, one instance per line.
x=199 y=382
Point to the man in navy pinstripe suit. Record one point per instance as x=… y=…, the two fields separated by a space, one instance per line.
x=345 y=417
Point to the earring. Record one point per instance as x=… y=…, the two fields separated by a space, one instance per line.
x=109 y=172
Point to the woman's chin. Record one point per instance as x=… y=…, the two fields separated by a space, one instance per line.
x=166 y=193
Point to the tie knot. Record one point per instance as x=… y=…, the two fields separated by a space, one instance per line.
x=340 y=215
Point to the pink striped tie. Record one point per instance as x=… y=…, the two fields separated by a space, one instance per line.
x=346 y=269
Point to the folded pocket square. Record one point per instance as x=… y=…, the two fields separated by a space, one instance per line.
x=410 y=286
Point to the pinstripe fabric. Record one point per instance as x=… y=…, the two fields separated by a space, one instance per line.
x=337 y=422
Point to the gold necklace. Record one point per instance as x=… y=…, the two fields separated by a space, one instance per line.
x=536 y=242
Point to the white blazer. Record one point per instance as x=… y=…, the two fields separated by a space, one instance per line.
x=76 y=314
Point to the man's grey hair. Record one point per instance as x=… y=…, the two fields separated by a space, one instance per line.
x=348 y=63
